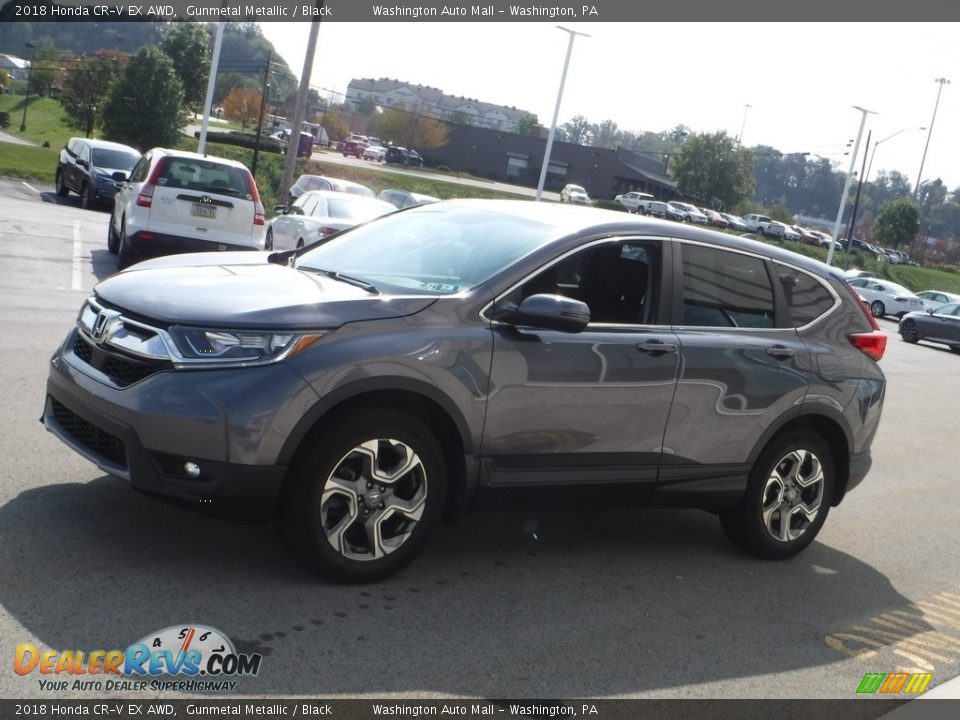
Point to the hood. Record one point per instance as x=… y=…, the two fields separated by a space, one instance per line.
x=243 y=290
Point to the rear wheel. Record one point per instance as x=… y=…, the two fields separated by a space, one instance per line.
x=359 y=503
x=268 y=242
x=787 y=499
x=124 y=257
x=877 y=308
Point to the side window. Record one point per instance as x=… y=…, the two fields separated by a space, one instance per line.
x=309 y=204
x=84 y=153
x=618 y=281
x=947 y=309
x=725 y=289
x=139 y=173
x=807 y=298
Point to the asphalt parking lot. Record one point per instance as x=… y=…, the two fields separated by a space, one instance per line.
x=569 y=604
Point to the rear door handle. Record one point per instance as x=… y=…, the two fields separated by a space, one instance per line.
x=656 y=347
x=781 y=352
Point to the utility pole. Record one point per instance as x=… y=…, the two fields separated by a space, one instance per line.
x=846 y=185
x=211 y=83
x=856 y=202
x=940 y=81
x=263 y=107
x=293 y=147
x=26 y=100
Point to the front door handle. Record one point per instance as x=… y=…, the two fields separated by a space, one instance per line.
x=656 y=347
x=781 y=352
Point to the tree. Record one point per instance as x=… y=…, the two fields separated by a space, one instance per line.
x=45 y=69
x=243 y=106
x=605 y=134
x=402 y=127
x=85 y=84
x=575 y=131
x=335 y=125
x=4 y=80
x=713 y=168
x=897 y=223
x=187 y=45
x=526 y=123
x=144 y=106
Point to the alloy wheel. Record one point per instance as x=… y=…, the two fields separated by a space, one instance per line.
x=792 y=495
x=373 y=499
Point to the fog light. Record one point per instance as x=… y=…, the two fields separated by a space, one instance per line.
x=191 y=469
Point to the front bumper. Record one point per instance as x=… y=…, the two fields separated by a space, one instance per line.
x=229 y=423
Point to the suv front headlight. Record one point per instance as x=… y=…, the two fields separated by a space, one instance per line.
x=214 y=347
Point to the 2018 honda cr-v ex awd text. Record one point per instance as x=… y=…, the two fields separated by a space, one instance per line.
x=470 y=354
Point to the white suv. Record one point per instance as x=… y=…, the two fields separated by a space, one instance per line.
x=178 y=201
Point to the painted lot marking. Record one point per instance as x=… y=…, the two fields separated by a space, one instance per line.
x=30 y=186
x=907 y=634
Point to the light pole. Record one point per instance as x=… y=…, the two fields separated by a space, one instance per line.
x=746 y=109
x=26 y=101
x=556 y=110
x=874 y=152
x=941 y=82
x=846 y=186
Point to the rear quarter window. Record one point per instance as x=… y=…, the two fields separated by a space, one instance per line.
x=806 y=296
x=725 y=289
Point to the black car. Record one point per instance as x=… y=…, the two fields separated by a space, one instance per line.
x=488 y=355
x=939 y=325
x=403 y=156
x=92 y=169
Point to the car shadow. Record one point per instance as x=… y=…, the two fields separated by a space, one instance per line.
x=72 y=200
x=103 y=263
x=566 y=604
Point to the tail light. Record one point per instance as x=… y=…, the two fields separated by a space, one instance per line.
x=145 y=198
x=873 y=343
x=259 y=217
x=326 y=230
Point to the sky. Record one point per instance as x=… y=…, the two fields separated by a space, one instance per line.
x=801 y=80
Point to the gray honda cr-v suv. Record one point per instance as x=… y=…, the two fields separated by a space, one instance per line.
x=471 y=354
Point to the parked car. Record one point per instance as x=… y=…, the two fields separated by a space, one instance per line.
x=306 y=183
x=654 y=208
x=177 y=201
x=404 y=199
x=574 y=194
x=353 y=148
x=633 y=200
x=932 y=299
x=940 y=325
x=756 y=223
x=809 y=237
x=823 y=239
x=778 y=229
x=478 y=353
x=886 y=298
x=715 y=219
x=688 y=212
x=376 y=153
x=402 y=156
x=318 y=214
x=93 y=169
x=855 y=245
x=735 y=222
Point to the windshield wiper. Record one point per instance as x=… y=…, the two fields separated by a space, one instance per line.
x=357 y=282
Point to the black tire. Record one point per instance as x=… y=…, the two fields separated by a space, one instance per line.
x=268 y=242
x=62 y=189
x=802 y=452
x=312 y=507
x=87 y=200
x=877 y=308
x=113 y=240
x=299 y=243
x=955 y=348
x=124 y=258
x=908 y=331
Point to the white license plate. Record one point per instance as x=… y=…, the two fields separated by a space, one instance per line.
x=201 y=210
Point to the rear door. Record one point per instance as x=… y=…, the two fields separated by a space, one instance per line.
x=743 y=368
x=203 y=199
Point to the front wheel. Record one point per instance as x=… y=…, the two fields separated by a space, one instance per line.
x=787 y=499
x=86 y=196
x=268 y=242
x=358 y=503
x=62 y=189
x=908 y=331
x=877 y=308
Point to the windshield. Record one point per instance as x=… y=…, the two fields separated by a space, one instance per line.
x=114 y=159
x=429 y=250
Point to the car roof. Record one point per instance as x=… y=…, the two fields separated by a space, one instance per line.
x=197 y=156
x=105 y=144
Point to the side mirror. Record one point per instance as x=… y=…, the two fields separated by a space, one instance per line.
x=119 y=176
x=83 y=163
x=551 y=312
x=280 y=209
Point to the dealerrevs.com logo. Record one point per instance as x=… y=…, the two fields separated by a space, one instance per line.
x=185 y=658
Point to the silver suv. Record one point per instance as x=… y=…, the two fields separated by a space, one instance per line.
x=176 y=201
x=487 y=354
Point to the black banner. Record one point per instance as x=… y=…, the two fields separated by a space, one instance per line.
x=495 y=11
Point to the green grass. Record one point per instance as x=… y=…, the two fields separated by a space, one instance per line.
x=45 y=120
x=28 y=163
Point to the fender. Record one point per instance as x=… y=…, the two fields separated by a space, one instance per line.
x=805 y=409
